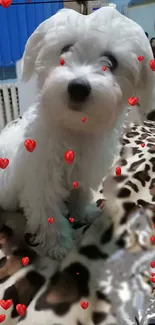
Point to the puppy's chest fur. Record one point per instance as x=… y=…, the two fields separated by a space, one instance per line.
x=51 y=173
x=81 y=170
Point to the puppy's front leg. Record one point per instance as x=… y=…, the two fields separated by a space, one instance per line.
x=52 y=238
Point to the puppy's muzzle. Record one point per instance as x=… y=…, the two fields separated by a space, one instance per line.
x=79 y=90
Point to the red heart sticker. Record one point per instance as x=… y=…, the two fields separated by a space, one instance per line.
x=133 y=101
x=140 y=58
x=71 y=220
x=5 y=3
x=118 y=171
x=152 y=65
x=75 y=184
x=142 y=144
x=62 y=62
x=25 y=260
x=6 y=304
x=2 y=318
x=152 y=239
x=69 y=156
x=152 y=264
x=51 y=220
x=30 y=145
x=84 y=304
x=4 y=163
x=21 y=309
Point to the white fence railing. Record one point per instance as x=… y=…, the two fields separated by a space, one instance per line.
x=9 y=102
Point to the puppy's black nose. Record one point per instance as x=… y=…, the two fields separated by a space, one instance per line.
x=79 y=89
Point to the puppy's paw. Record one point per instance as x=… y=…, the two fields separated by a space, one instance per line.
x=58 y=253
x=92 y=213
x=55 y=246
x=63 y=244
x=30 y=239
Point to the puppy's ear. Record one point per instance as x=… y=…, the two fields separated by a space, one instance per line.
x=32 y=48
x=36 y=40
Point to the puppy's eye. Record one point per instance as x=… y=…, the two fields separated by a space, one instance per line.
x=109 y=61
x=66 y=48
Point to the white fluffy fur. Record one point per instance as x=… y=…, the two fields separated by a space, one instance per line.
x=41 y=181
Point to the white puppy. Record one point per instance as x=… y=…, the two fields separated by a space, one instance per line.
x=41 y=182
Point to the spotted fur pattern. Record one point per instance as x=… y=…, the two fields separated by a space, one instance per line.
x=109 y=267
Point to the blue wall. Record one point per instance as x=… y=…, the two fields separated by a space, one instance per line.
x=17 y=23
x=144 y=15
x=120 y=3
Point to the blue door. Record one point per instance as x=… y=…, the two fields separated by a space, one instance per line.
x=18 y=22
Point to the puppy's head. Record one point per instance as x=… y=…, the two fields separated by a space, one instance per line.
x=100 y=71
